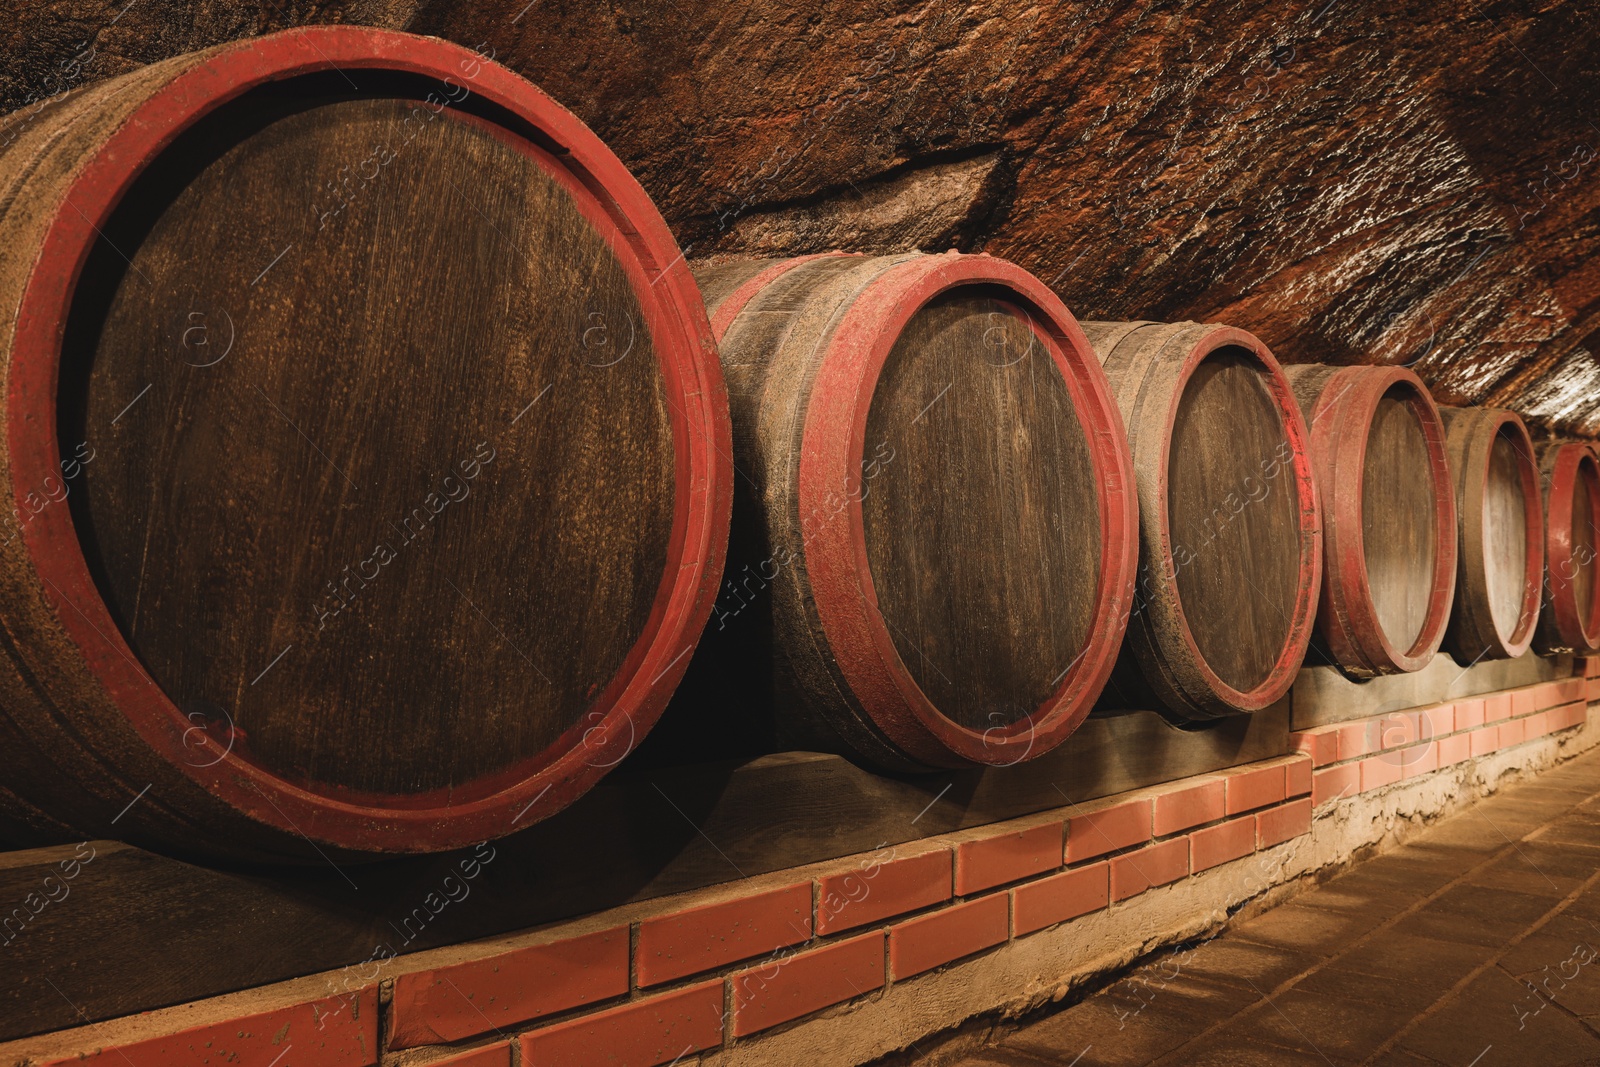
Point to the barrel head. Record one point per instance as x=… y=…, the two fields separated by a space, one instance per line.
x=383 y=471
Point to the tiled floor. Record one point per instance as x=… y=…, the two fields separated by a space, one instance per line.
x=1476 y=945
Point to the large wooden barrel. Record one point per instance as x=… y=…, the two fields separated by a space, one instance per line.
x=1388 y=515
x=1569 y=616
x=368 y=451
x=1501 y=524
x=935 y=520
x=1230 y=536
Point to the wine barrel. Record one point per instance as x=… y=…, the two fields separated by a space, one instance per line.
x=1229 y=532
x=1569 y=615
x=1501 y=534
x=935 y=519
x=1388 y=515
x=368 y=452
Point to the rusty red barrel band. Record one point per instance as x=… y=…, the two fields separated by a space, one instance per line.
x=530 y=790
x=1340 y=425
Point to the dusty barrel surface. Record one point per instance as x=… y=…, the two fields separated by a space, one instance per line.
x=1230 y=536
x=936 y=518
x=368 y=451
x=1569 y=615
x=1501 y=534
x=1388 y=515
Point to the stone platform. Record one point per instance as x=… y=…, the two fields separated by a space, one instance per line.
x=1475 y=943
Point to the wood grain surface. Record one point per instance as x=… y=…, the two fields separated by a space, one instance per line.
x=374 y=465
x=1241 y=527
x=1586 y=544
x=324 y=458
x=1230 y=533
x=1388 y=517
x=1505 y=533
x=1569 y=616
x=933 y=531
x=1501 y=534
x=982 y=541
x=1398 y=523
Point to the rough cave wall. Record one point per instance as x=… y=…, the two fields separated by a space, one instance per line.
x=1355 y=181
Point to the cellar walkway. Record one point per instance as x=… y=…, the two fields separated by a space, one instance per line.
x=1477 y=944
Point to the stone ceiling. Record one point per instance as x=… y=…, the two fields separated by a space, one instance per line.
x=1355 y=181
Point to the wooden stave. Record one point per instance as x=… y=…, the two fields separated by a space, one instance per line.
x=1473 y=634
x=817 y=702
x=1562 y=626
x=1339 y=404
x=1148 y=364
x=63 y=150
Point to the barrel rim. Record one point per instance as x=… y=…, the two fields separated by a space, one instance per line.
x=1569 y=460
x=530 y=789
x=1202 y=340
x=1484 y=426
x=833 y=444
x=1339 y=450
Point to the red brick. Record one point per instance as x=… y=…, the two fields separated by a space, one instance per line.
x=1485 y=740
x=493 y=1056
x=1104 y=831
x=1569 y=690
x=881 y=889
x=1525 y=701
x=1591 y=688
x=1189 y=806
x=1280 y=824
x=1335 y=783
x=1512 y=732
x=1438 y=721
x=1254 y=789
x=1149 y=867
x=810 y=981
x=924 y=943
x=1454 y=749
x=1297 y=778
x=1059 y=898
x=444 y=1004
x=1357 y=739
x=1496 y=706
x=1469 y=714
x=1321 y=745
x=1592 y=667
x=1379 y=771
x=1536 y=725
x=339 y=1031
x=1397 y=730
x=717 y=934
x=643 y=1033
x=1216 y=845
x=1005 y=858
x=1419 y=760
